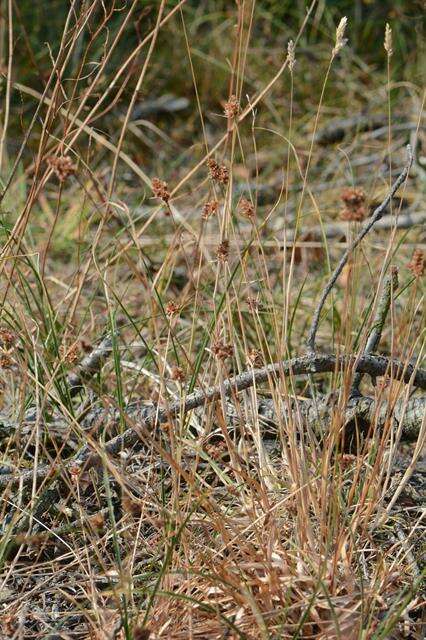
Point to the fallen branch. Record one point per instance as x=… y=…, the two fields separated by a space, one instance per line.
x=146 y=418
x=338 y=128
x=90 y=366
x=373 y=365
x=317 y=413
x=363 y=410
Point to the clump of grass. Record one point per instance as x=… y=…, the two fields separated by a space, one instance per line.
x=272 y=511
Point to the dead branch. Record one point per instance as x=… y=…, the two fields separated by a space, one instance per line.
x=378 y=213
x=361 y=410
x=90 y=366
x=145 y=418
x=389 y=286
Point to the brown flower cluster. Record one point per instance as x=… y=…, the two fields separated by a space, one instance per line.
x=222 y=251
x=209 y=209
x=347 y=460
x=7 y=338
x=74 y=471
x=255 y=358
x=5 y=360
x=221 y=350
x=218 y=172
x=216 y=450
x=355 y=208
x=417 y=264
x=246 y=208
x=160 y=189
x=97 y=521
x=178 y=374
x=71 y=354
x=131 y=505
x=7 y=346
x=232 y=107
x=62 y=166
x=172 y=309
x=253 y=303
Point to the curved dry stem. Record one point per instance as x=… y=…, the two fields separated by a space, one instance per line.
x=378 y=213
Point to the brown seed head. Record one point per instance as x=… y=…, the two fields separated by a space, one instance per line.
x=291 y=57
x=253 y=303
x=7 y=338
x=222 y=251
x=70 y=354
x=218 y=173
x=388 y=41
x=178 y=374
x=255 y=358
x=131 y=506
x=74 y=470
x=209 y=209
x=383 y=383
x=354 y=201
x=340 y=39
x=160 y=189
x=232 y=107
x=417 y=264
x=246 y=208
x=9 y=624
x=347 y=459
x=221 y=350
x=172 y=309
x=97 y=520
x=394 y=275
x=62 y=166
x=216 y=450
x=5 y=360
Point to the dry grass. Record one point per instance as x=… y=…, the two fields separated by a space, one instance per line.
x=194 y=236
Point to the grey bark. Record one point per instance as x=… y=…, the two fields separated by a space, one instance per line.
x=145 y=418
x=90 y=365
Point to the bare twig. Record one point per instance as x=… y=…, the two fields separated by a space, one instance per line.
x=330 y=230
x=378 y=212
x=389 y=286
x=337 y=129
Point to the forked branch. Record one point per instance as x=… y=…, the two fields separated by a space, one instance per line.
x=377 y=214
x=389 y=286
